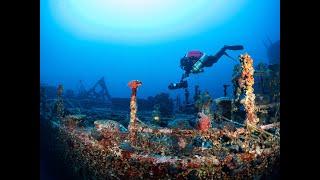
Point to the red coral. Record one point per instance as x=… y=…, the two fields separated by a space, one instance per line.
x=126 y=154
x=194 y=164
x=204 y=123
x=246 y=157
x=134 y=84
x=229 y=161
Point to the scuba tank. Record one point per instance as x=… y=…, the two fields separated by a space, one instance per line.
x=197 y=67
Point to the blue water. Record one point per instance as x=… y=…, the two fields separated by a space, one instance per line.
x=124 y=43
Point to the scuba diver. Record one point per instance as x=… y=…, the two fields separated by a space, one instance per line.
x=194 y=62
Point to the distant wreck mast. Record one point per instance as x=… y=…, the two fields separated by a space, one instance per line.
x=246 y=82
x=59 y=103
x=133 y=110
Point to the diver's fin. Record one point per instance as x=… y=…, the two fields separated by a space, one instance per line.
x=230 y=56
x=235 y=47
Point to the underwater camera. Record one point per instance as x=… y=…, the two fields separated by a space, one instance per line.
x=179 y=85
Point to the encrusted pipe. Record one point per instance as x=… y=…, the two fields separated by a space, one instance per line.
x=59 y=103
x=246 y=82
x=133 y=110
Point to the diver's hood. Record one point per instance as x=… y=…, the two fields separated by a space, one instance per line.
x=194 y=54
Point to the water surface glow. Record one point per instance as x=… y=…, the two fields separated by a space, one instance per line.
x=139 y=21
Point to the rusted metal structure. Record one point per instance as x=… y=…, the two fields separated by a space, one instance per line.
x=147 y=152
x=133 y=110
x=103 y=94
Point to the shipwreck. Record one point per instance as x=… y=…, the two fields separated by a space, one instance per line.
x=110 y=150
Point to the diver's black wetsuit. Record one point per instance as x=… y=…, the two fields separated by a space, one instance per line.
x=213 y=59
x=189 y=61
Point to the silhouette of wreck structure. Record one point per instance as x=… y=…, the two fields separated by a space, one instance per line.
x=98 y=95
